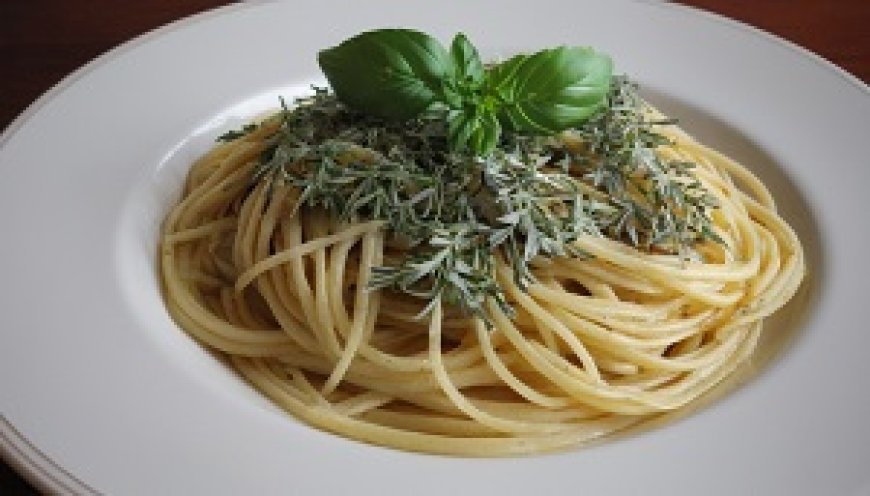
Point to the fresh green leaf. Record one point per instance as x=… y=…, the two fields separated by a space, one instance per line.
x=476 y=130
x=552 y=90
x=486 y=139
x=466 y=60
x=388 y=73
x=501 y=80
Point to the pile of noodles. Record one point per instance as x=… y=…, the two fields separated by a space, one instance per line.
x=596 y=344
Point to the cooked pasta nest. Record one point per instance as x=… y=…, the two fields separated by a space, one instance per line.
x=596 y=344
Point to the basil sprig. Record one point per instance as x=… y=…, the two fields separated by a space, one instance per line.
x=397 y=74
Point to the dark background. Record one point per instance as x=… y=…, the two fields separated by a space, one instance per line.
x=41 y=41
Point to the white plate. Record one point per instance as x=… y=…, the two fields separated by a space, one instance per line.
x=100 y=391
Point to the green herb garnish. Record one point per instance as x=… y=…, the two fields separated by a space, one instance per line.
x=399 y=73
x=235 y=134
x=655 y=203
x=461 y=163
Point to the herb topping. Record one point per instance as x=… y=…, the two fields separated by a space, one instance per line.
x=461 y=163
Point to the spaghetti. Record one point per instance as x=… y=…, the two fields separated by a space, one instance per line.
x=596 y=344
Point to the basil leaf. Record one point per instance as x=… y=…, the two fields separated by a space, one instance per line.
x=476 y=130
x=485 y=141
x=501 y=79
x=553 y=89
x=460 y=126
x=466 y=61
x=388 y=73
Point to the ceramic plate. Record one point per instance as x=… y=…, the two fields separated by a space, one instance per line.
x=101 y=392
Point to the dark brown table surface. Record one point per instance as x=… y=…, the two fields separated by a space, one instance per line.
x=41 y=41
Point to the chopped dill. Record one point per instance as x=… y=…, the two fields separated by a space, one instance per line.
x=452 y=213
x=235 y=134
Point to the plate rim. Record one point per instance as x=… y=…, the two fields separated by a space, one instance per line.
x=46 y=474
x=28 y=460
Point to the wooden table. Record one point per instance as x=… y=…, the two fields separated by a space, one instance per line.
x=43 y=41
